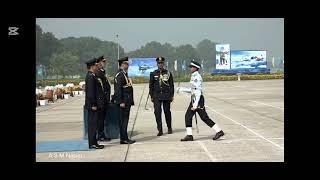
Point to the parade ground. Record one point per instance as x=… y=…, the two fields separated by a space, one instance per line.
x=251 y=113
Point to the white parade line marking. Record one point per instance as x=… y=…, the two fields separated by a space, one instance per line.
x=267 y=104
x=207 y=152
x=257 y=134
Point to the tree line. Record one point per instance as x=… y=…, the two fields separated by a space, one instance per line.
x=67 y=56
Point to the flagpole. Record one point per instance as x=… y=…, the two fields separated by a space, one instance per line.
x=118 y=49
x=273 y=62
x=176 y=67
x=202 y=67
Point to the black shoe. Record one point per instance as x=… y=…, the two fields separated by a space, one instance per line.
x=160 y=133
x=187 y=138
x=104 y=139
x=169 y=130
x=96 y=146
x=101 y=136
x=132 y=141
x=218 y=135
x=127 y=141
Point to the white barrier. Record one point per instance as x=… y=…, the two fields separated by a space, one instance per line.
x=239 y=76
x=43 y=102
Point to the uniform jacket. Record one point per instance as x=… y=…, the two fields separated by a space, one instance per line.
x=94 y=92
x=106 y=84
x=123 y=90
x=161 y=85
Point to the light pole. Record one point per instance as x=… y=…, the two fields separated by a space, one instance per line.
x=118 y=45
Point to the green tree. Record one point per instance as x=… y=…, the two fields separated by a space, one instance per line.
x=207 y=51
x=110 y=51
x=38 y=39
x=88 y=47
x=155 y=49
x=187 y=53
x=46 y=45
x=64 y=64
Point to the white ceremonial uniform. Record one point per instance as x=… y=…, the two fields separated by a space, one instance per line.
x=197 y=105
x=195 y=89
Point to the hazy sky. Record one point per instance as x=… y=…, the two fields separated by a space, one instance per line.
x=240 y=33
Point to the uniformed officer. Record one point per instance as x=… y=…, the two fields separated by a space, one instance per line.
x=197 y=104
x=92 y=102
x=161 y=90
x=101 y=75
x=123 y=95
x=222 y=56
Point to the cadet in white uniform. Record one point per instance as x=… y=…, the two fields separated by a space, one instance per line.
x=197 y=104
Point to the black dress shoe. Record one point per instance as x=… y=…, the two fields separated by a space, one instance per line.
x=127 y=141
x=104 y=139
x=218 y=135
x=160 y=133
x=124 y=142
x=169 y=130
x=96 y=146
x=187 y=138
x=132 y=141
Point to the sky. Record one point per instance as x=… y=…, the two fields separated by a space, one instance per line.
x=240 y=33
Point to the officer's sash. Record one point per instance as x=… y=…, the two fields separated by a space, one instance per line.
x=100 y=81
x=128 y=81
x=164 y=78
x=108 y=80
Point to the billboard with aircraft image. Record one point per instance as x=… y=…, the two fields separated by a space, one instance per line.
x=141 y=67
x=245 y=61
x=248 y=59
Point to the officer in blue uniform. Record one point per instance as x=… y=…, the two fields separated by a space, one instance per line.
x=161 y=90
x=93 y=102
x=101 y=75
x=123 y=96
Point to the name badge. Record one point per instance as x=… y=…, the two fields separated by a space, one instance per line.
x=156 y=76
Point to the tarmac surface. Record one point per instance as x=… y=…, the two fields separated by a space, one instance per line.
x=251 y=113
